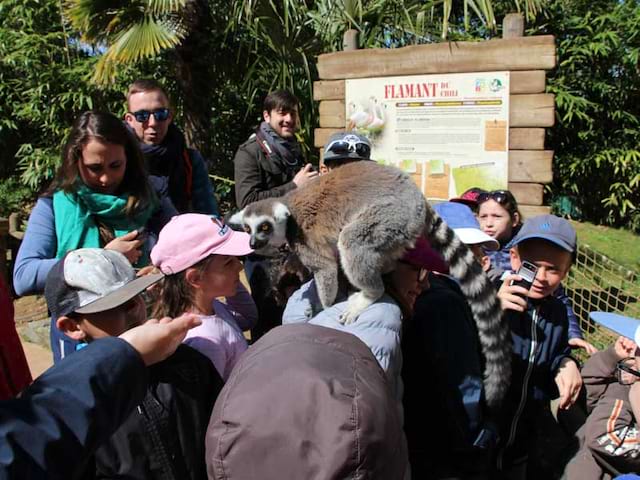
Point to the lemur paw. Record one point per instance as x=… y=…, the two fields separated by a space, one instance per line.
x=356 y=304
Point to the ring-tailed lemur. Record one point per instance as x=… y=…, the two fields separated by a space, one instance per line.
x=365 y=216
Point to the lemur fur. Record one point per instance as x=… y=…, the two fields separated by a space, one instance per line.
x=365 y=216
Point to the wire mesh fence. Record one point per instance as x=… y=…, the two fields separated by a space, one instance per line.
x=597 y=283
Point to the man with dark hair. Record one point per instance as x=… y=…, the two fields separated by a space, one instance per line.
x=270 y=162
x=149 y=116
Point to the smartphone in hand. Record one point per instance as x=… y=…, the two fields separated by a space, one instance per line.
x=142 y=233
x=527 y=272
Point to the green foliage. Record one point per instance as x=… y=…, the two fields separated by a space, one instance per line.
x=14 y=196
x=133 y=30
x=597 y=136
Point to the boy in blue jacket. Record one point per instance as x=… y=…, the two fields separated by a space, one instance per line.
x=542 y=367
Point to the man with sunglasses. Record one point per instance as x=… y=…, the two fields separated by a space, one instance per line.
x=165 y=150
x=612 y=379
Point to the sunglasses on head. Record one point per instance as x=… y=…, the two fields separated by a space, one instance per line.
x=160 y=114
x=343 y=147
x=500 y=196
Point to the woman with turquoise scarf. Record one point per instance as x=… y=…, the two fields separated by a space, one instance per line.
x=101 y=197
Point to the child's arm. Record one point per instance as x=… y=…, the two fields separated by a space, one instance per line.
x=243 y=308
x=569 y=382
x=599 y=371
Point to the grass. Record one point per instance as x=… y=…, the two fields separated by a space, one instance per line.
x=621 y=246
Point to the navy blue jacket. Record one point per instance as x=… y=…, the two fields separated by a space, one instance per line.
x=57 y=423
x=540 y=337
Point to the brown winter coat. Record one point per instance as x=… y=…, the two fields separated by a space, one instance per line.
x=306 y=402
x=611 y=432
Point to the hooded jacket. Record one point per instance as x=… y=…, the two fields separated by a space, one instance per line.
x=306 y=402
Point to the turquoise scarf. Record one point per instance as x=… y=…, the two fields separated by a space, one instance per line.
x=75 y=218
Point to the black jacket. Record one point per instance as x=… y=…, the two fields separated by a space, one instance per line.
x=257 y=176
x=448 y=432
x=163 y=438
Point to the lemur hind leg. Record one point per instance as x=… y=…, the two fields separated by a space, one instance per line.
x=325 y=273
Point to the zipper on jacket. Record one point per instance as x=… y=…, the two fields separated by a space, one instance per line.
x=525 y=387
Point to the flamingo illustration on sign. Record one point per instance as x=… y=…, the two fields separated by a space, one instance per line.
x=368 y=120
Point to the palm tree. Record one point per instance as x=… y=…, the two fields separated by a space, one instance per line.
x=128 y=31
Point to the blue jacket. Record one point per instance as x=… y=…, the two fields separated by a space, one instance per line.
x=539 y=338
x=58 y=422
x=203 y=198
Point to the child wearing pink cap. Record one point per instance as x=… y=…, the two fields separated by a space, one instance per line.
x=199 y=256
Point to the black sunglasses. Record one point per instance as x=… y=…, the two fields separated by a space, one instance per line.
x=624 y=373
x=160 y=114
x=500 y=196
x=342 y=147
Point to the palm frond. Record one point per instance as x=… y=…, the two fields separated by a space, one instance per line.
x=142 y=40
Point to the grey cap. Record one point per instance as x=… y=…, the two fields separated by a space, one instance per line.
x=91 y=280
x=551 y=228
x=347 y=146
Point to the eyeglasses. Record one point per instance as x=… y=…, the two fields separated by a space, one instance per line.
x=500 y=196
x=422 y=272
x=346 y=146
x=625 y=374
x=160 y=114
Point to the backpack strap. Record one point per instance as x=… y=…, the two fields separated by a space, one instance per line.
x=188 y=175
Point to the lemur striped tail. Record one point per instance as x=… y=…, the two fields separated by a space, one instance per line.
x=495 y=339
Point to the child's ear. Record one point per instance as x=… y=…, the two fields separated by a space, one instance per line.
x=70 y=327
x=192 y=277
x=515 y=259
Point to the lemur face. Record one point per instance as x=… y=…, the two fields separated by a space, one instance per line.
x=266 y=229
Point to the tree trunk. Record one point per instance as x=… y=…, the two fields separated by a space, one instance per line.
x=193 y=77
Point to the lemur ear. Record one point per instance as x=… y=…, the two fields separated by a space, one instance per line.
x=236 y=221
x=281 y=212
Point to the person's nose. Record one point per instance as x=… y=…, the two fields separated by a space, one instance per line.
x=152 y=120
x=105 y=179
x=541 y=275
x=288 y=118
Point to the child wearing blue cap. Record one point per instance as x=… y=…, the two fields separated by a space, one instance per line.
x=612 y=437
x=542 y=367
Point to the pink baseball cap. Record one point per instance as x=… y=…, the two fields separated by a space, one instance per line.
x=191 y=237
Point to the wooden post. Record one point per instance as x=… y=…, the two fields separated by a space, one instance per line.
x=350 y=39
x=513 y=25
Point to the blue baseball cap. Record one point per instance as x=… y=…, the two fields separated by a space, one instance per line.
x=548 y=227
x=465 y=225
x=626 y=326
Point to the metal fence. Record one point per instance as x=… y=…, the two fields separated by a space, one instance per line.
x=597 y=283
